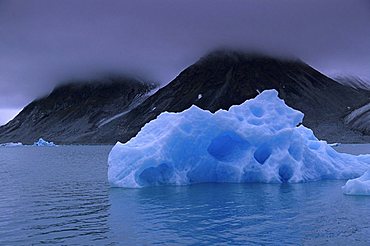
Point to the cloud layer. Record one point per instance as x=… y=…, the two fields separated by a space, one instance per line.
x=45 y=42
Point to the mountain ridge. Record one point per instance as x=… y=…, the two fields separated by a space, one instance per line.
x=216 y=81
x=217 y=78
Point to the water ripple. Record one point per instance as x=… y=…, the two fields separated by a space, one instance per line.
x=60 y=196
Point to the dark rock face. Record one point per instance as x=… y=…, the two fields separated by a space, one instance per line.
x=72 y=112
x=359 y=119
x=105 y=113
x=227 y=78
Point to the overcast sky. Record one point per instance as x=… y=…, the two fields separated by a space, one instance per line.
x=44 y=42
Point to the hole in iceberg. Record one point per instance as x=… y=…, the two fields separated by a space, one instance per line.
x=285 y=173
x=257 y=111
x=159 y=175
x=228 y=147
x=262 y=153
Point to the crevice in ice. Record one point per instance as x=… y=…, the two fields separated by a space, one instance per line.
x=262 y=153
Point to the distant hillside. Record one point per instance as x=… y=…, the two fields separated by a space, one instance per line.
x=113 y=111
x=74 y=110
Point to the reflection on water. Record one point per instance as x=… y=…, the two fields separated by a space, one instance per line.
x=236 y=214
x=60 y=196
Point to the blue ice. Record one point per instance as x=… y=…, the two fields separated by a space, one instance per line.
x=260 y=140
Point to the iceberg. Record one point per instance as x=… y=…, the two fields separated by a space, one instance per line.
x=42 y=143
x=11 y=144
x=359 y=186
x=261 y=140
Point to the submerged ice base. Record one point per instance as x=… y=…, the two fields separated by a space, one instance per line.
x=359 y=186
x=261 y=140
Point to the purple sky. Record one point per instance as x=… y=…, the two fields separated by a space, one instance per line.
x=44 y=42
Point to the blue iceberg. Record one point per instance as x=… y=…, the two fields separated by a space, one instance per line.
x=359 y=186
x=261 y=140
x=43 y=143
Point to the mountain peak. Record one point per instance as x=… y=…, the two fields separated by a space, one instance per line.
x=239 y=55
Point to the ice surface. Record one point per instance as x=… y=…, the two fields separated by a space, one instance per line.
x=42 y=143
x=359 y=186
x=260 y=140
x=11 y=144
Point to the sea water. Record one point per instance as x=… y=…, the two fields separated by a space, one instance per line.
x=60 y=196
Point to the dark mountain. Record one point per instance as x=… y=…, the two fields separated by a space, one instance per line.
x=73 y=111
x=105 y=113
x=224 y=78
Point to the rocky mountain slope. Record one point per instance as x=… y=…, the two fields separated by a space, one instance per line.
x=71 y=111
x=225 y=78
x=217 y=81
x=359 y=119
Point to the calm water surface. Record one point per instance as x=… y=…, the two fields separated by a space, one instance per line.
x=60 y=196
